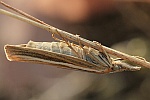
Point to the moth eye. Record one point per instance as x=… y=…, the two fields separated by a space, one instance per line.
x=116 y=67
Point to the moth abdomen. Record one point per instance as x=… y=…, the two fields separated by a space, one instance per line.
x=58 y=47
x=63 y=48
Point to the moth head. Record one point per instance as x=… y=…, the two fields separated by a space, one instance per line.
x=122 y=66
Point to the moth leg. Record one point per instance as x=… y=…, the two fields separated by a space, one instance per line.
x=116 y=59
x=109 y=60
x=78 y=37
x=89 y=52
x=67 y=42
x=55 y=38
x=85 y=52
x=80 y=46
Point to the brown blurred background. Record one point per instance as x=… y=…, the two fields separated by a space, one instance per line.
x=121 y=24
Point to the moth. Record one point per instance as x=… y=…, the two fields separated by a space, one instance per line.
x=64 y=54
x=59 y=54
